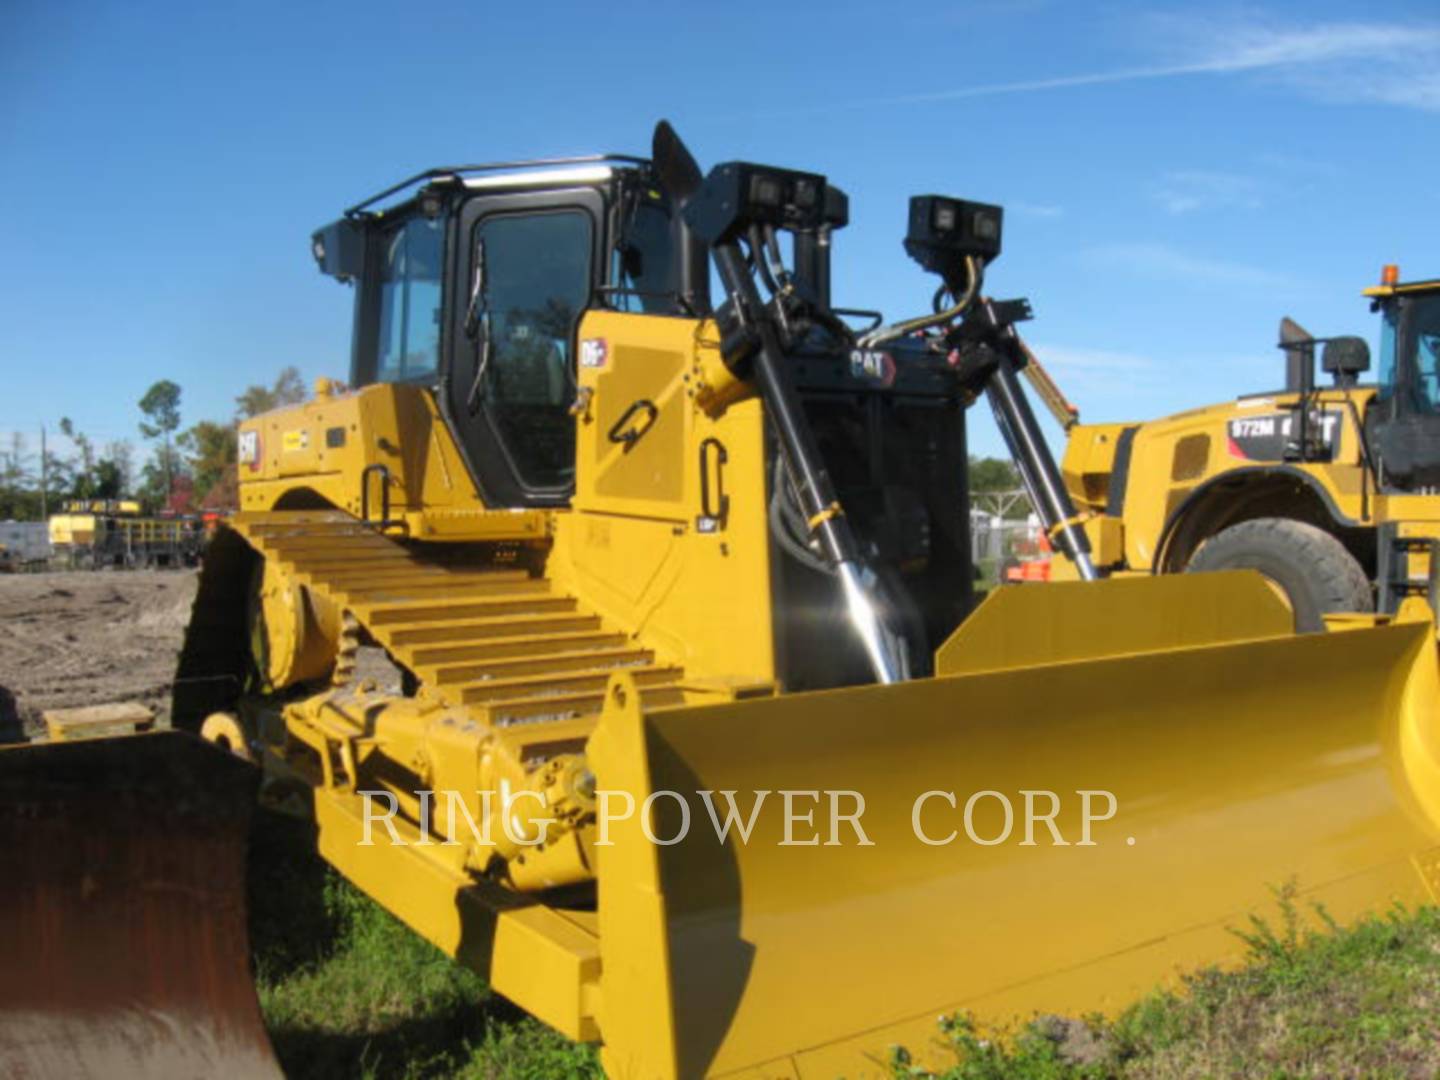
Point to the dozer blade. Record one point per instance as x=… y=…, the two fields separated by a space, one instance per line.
x=1240 y=758
x=123 y=943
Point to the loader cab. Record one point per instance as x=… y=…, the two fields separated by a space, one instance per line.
x=473 y=287
x=1403 y=421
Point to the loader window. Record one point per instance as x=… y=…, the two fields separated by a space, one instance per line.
x=1410 y=353
x=1387 y=353
x=537 y=281
x=409 y=344
x=1425 y=326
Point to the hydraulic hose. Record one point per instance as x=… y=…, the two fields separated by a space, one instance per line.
x=974 y=276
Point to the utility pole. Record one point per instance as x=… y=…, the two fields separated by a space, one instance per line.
x=44 y=478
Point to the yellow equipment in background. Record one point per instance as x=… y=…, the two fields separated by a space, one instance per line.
x=1329 y=492
x=94 y=533
x=699 y=750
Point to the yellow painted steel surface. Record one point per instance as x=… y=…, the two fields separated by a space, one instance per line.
x=640 y=544
x=1402 y=288
x=66 y=529
x=1239 y=758
x=357 y=449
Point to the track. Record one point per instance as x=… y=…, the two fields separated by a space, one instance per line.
x=473 y=624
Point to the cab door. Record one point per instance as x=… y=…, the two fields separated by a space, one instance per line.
x=527 y=269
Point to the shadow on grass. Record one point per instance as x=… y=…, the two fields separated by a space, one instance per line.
x=349 y=991
x=290 y=923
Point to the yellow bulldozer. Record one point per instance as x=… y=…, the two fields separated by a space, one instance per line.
x=1331 y=493
x=699 y=750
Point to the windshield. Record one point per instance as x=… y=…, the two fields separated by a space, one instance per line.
x=1410 y=352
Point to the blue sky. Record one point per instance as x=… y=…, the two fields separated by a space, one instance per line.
x=1176 y=177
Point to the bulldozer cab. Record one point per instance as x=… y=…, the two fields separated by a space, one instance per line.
x=1404 y=418
x=474 y=287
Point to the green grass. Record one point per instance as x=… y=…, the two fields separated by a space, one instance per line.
x=348 y=991
x=1363 y=1001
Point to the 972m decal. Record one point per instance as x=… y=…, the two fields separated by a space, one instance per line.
x=1266 y=437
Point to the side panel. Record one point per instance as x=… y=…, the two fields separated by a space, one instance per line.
x=1088 y=462
x=640 y=545
x=393 y=430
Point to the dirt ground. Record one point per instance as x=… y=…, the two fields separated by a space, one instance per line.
x=71 y=638
x=87 y=638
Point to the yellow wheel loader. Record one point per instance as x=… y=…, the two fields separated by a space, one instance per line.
x=699 y=750
x=1332 y=493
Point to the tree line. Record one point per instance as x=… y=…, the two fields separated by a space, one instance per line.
x=184 y=469
x=996 y=487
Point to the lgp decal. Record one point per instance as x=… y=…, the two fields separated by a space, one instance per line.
x=299 y=439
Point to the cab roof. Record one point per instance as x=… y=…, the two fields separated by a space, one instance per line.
x=1402 y=288
x=585 y=168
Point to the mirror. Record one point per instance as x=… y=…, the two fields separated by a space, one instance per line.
x=1345 y=356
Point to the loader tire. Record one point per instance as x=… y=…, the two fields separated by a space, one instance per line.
x=1313 y=570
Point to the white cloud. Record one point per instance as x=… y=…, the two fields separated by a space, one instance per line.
x=1087 y=374
x=1035 y=210
x=1162 y=261
x=1184 y=191
x=1350 y=62
x=1061 y=358
x=1340 y=62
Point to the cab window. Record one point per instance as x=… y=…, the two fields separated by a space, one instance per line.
x=642 y=266
x=1410 y=352
x=409 y=333
x=537 y=280
x=1425 y=327
x=1387 y=353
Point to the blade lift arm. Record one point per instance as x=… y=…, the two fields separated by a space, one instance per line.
x=988 y=354
x=1049 y=392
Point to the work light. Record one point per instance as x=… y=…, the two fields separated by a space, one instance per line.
x=944 y=232
x=740 y=194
